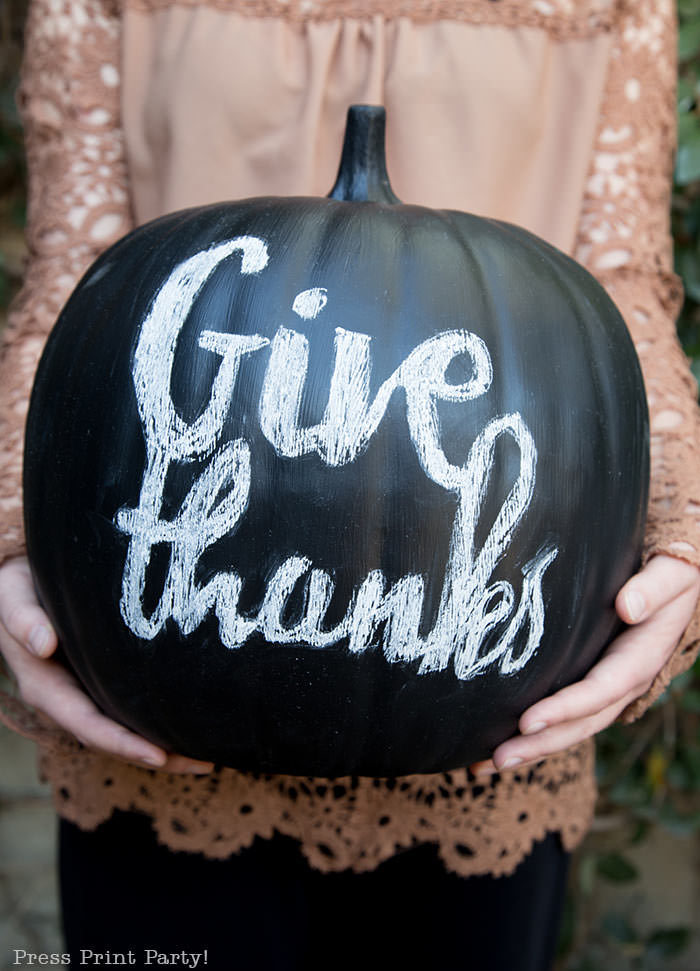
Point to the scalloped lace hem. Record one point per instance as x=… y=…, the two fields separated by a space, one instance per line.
x=341 y=824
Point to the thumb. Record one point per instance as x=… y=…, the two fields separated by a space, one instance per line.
x=662 y=580
x=20 y=613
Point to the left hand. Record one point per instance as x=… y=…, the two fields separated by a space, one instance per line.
x=657 y=604
x=27 y=641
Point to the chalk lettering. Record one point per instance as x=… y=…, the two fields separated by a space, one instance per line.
x=472 y=604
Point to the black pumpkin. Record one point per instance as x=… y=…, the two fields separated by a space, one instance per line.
x=330 y=486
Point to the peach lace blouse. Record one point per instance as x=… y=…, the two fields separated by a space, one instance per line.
x=555 y=114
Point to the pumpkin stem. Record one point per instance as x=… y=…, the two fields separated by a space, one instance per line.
x=362 y=176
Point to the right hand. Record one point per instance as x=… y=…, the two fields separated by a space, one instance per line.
x=27 y=641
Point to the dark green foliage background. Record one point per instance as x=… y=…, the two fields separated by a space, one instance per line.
x=649 y=773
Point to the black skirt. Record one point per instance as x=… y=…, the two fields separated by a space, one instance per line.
x=138 y=904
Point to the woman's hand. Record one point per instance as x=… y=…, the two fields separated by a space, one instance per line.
x=27 y=641
x=658 y=604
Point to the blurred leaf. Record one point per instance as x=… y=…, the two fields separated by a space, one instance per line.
x=678 y=775
x=690 y=756
x=668 y=942
x=687 y=126
x=678 y=823
x=689 y=8
x=685 y=95
x=640 y=832
x=690 y=699
x=688 y=158
x=617 y=868
x=17 y=211
x=689 y=39
x=619 y=929
x=629 y=792
x=688 y=266
x=656 y=768
x=586 y=874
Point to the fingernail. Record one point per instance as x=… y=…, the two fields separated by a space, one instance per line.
x=38 y=641
x=534 y=728
x=153 y=761
x=511 y=762
x=636 y=605
x=197 y=768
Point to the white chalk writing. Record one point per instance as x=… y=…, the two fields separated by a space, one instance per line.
x=472 y=605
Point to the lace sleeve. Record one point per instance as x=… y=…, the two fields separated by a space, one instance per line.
x=78 y=203
x=624 y=239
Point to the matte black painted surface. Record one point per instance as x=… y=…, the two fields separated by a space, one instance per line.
x=561 y=357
